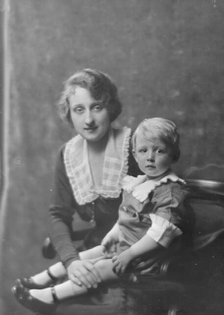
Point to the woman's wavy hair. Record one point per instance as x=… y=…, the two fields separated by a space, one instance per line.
x=101 y=88
x=160 y=128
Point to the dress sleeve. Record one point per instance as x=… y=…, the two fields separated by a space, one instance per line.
x=61 y=211
x=163 y=231
x=168 y=214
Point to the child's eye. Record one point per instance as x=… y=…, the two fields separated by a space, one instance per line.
x=143 y=150
x=162 y=151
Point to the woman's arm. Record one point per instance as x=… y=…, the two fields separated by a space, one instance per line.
x=61 y=214
x=61 y=211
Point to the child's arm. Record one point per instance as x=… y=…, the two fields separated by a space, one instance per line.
x=145 y=245
x=158 y=238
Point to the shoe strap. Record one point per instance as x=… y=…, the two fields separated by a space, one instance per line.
x=50 y=275
x=54 y=295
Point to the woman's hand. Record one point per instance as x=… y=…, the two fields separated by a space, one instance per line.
x=83 y=273
x=122 y=261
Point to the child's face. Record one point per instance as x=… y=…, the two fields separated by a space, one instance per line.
x=153 y=156
x=89 y=117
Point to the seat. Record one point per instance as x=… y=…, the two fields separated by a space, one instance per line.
x=190 y=282
x=206 y=186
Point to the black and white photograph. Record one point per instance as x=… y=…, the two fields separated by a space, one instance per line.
x=112 y=157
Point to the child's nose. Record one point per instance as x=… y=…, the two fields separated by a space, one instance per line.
x=151 y=156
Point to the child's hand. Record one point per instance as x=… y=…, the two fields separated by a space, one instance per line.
x=107 y=241
x=121 y=262
x=110 y=241
x=110 y=245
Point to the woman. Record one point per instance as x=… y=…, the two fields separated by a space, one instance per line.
x=89 y=170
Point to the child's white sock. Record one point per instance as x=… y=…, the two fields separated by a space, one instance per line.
x=45 y=277
x=64 y=290
x=43 y=295
x=68 y=289
x=42 y=278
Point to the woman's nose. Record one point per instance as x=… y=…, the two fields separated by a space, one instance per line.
x=89 y=118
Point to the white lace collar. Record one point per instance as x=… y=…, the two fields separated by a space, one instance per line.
x=115 y=166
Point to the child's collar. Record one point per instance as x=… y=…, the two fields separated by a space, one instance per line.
x=141 y=186
x=156 y=179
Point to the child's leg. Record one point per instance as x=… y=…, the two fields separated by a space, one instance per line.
x=105 y=269
x=69 y=289
x=92 y=253
x=63 y=291
x=56 y=271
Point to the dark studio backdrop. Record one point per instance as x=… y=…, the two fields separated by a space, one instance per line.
x=166 y=57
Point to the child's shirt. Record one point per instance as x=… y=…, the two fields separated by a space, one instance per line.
x=152 y=207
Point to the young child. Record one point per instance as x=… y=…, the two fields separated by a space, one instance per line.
x=151 y=220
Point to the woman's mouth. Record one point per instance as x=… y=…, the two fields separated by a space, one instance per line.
x=90 y=129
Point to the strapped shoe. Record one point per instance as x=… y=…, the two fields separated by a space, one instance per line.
x=24 y=297
x=29 y=283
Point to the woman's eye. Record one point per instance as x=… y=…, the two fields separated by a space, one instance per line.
x=78 y=110
x=97 y=107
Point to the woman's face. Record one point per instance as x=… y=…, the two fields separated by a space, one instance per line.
x=89 y=117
